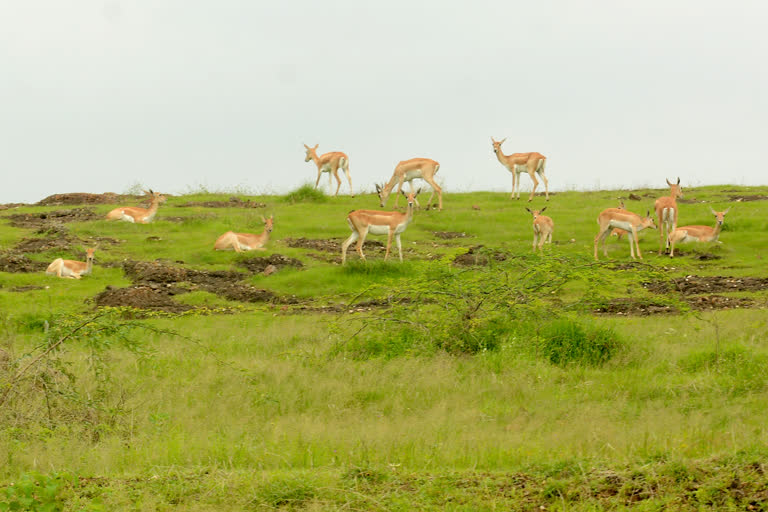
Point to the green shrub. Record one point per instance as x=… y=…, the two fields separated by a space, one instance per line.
x=306 y=194
x=565 y=341
x=286 y=492
x=35 y=492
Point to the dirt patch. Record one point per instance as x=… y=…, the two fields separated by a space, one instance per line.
x=330 y=244
x=234 y=202
x=448 y=235
x=153 y=297
x=8 y=206
x=158 y=272
x=27 y=245
x=44 y=219
x=634 y=197
x=695 y=285
x=258 y=264
x=696 y=255
x=710 y=302
x=83 y=198
x=245 y=293
x=478 y=255
x=15 y=262
x=634 y=307
x=740 y=199
x=27 y=288
x=691 y=200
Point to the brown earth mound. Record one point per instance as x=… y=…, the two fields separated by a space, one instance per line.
x=234 y=202
x=83 y=198
x=244 y=293
x=447 y=235
x=258 y=264
x=15 y=262
x=330 y=244
x=44 y=219
x=710 y=302
x=694 y=285
x=152 y=297
x=478 y=255
x=160 y=272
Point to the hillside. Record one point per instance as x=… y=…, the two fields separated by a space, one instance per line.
x=475 y=375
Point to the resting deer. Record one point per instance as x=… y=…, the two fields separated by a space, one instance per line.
x=612 y=218
x=392 y=224
x=70 y=268
x=543 y=227
x=240 y=242
x=697 y=233
x=136 y=214
x=667 y=213
x=330 y=163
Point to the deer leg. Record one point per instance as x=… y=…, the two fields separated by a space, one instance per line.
x=546 y=184
x=319 y=175
x=535 y=184
x=436 y=188
x=399 y=190
x=360 y=243
x=597 y=242
x=345 y=166
x=338 y=181
x=389 y=243
x=535 y=237
x=399 y=246
x=352 y=238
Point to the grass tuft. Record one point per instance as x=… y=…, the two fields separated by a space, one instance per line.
x=305 y=194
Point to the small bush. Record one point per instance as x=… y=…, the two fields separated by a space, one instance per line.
x=286 y=492
x=306 y=194
x=565 y=341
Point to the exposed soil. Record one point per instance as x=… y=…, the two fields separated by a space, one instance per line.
x=710 y=302
x=8 y=206
x=26 y=288
x=246 y=293
x=634 y=197
x=739 y=199
x=144 y=296
x=478 y=255
x=83 y=198
x=448 y=235
x=634 y=307
x=44 y=219
x=234 y=202
x=330 y=244
x=259 y=264
x=694 y=285
x=696 y=255
x=14 y=262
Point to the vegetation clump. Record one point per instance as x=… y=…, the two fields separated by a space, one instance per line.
x=305 y=194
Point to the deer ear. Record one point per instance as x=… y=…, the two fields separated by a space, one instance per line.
x=713 y=211
x=418 y=192
x=306 y=146
x=678 y=180
x=668 y=183
x=542 y=210
x=648 y=213
x=727 y=210
x=263 y=219
x=529 y=210
x=502 y=140
x=316 y=145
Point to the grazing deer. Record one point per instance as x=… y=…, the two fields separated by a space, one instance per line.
x=518 y=163
x=409 y=170
x=612 y=218
x=666 y=213
x=136 y=214
x=697 y=233
x=72 y=269
x=330 y=163
x=392 y=224
x=240 y=242
x=543 y=227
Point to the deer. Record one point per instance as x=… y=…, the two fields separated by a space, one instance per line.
x=138 y=215
x=376 y=222
x=612 y=218
x=667 y=213
x=543 y=227
x=518 y=163
x=330 y=163
x=697 y=233
x=409 y=170
x=240 y=242
x=72 y=269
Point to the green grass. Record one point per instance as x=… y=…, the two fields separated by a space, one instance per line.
x=272 y=407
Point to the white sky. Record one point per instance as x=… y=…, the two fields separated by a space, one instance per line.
x=100 y=95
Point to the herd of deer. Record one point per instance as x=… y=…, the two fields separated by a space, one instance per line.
x=618 y=221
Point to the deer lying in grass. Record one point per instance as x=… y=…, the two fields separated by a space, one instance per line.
x=240 y=242
x=543 y=227
x=697 y=233
x=136 y=214
x=612 y=218
x=72 y=269
x=667 y=213
x=376 y=222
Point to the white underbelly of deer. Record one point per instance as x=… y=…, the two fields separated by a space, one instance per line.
x=384 y=230
x=626 y=226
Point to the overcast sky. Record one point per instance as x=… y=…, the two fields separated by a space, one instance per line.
x=101 y=95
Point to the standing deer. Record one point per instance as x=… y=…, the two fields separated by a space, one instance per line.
x=667 y=213
x=543 y=227
x=518 y=163
x=330 y=163
x=612 y=218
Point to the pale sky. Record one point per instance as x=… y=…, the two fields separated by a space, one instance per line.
x=98 y=95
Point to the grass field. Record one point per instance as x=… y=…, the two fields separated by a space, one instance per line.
x=517 y=382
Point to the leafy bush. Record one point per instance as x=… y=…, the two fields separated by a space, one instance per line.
x=34 y=492
x=306 y=194
x=289 y=492
x=565 y=341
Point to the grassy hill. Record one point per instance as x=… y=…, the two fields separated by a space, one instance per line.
x=476 y=375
